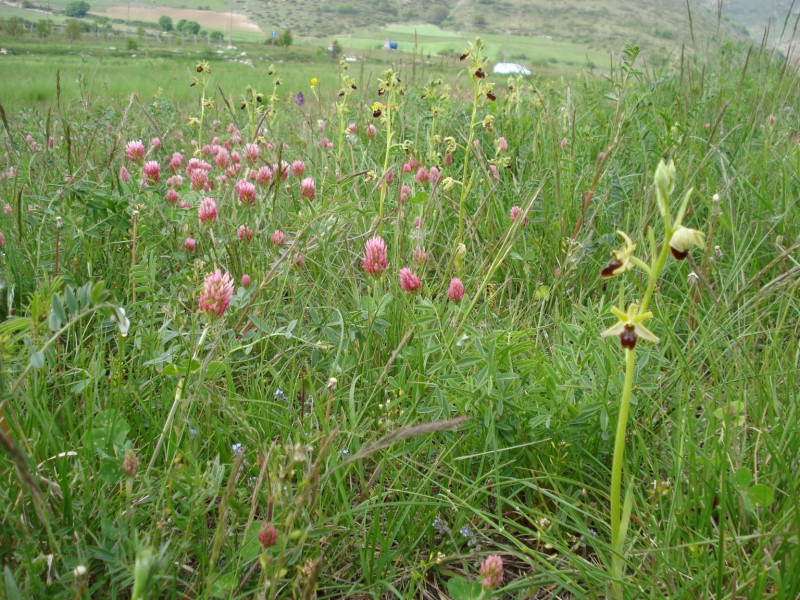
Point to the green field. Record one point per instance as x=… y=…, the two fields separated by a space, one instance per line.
x=429 y=40
x=108 y=70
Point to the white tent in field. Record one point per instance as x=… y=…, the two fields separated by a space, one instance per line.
x=505 y=68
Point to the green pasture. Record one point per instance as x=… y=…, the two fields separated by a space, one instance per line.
x=91 y=69
x=430 y=40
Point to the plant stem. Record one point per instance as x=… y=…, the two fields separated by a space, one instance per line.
x=467 y=150
x=617 y=541
x=656 y=272
x=178 y=397
x=387 y=155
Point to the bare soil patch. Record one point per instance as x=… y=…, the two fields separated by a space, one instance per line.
x=208 y=19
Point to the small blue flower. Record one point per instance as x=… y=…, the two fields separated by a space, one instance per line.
x=299 y=99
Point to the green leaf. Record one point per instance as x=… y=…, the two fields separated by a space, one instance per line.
x=12 y=591
x=465 y=363
x=224 y=585
x=99 y=293
x=743 y=477
x=110 y=471
x=762 y=494
x=71 y=300
x=189 y=365
x=251 y=548
x=58 y=308
x=461 y=589
x=419 y=198
x=37 y=359
x=109 y=429
x=542 y=293
x=216 y=369
x=171 y=369
x=53 y=322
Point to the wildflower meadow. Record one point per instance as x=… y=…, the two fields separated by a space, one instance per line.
x=463 y=336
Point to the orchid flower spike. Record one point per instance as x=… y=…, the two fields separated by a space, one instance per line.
x=622 y=258
x=683 y=240
x=629 y=327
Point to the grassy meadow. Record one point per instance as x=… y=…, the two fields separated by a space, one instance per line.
x=361 y=344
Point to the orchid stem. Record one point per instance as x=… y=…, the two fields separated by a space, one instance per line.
x=617 y=540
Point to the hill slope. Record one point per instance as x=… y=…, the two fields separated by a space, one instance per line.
x=754 y=16
x=656 y=24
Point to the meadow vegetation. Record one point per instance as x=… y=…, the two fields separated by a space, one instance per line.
x=343 y=337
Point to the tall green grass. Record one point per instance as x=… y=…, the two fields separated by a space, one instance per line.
x=306 y=404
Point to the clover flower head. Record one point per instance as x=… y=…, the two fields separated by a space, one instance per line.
x=134 y=149
x=421 y=257
x=245 y=233
x=152 y=171
x=629 y=327
x=374 y=262
x=268 y=536
x=491 y=572
x=247 y=192
x=516 y=213
x=207 y=212
x=622 y=258
x=263 y=175
x=251 y=153
x=308 y=188
x=278 y=238
x=217 y=293
x=456 y=290
x=409 y=281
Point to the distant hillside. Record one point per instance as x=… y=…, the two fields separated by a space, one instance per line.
x=596 y=24
x=755 y=15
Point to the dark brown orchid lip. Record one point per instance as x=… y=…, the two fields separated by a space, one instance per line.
x=678 y=254
x=463 y=57
x=491 y=96
x=480 y=74
x=376 y=113
x=628 y=338
x=608 y=270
